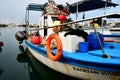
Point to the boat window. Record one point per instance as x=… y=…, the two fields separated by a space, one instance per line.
x=55 y=18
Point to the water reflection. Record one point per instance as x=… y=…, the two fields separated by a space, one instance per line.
x=1 y=69
x=1 y=44
x=0 y=50
x=37 y=70
x=13 y=70
x=21 y=49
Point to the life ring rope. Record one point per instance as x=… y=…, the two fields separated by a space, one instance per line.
x=58 y=54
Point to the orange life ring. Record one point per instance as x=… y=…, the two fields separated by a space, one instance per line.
x=58 y=54
x=55 y=24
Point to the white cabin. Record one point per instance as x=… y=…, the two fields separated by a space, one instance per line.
x=70 y=43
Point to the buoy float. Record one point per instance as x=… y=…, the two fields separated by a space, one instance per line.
x=20 y=35
x=62 y=18
x=36 y=40
x=1 y=44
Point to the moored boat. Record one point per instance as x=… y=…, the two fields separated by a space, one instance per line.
x=110 y=31
x=71 y=51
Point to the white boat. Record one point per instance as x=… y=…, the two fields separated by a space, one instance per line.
x=74 y=53
x=110 y=32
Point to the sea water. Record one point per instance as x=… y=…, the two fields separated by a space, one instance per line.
x=15 y=64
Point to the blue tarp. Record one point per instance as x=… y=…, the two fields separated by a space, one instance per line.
x=84 y=5
x=35 y=7
x=87 y=5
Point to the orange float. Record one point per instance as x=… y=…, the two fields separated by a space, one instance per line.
x=62 y=18
x=36 y=40
x=58 y=54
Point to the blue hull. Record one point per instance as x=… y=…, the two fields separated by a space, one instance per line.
x=91 y=59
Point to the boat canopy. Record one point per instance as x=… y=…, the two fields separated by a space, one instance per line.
x=111 y=15
x=87 y=5
x=35 y=7
x=114 y=15
x=83 y=5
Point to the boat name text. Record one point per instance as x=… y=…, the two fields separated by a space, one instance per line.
x=95 y=72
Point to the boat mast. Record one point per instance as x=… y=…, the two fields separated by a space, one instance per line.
x=76 y=11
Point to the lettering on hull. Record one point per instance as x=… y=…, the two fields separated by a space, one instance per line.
x=96 y=72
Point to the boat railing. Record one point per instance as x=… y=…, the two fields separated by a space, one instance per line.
x=104 y=54
x=67 y=23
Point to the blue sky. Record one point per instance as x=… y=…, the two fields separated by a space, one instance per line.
x=14 y=10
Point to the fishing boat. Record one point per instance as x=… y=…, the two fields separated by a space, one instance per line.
x=72 y=51
x=114 y=29
x=110 y=30
x=113 y=34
